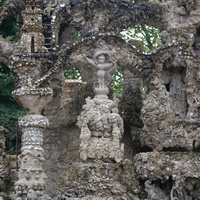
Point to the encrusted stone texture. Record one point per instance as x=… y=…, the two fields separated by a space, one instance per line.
x=178 y=174
x=4 y=162
x=101 y=130
x=31 y=176
x=60 y=35
x=99 y=180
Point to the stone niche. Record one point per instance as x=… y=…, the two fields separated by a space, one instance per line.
x=170 y=111
x=174 y=80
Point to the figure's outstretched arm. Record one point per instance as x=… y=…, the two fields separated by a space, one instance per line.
x=91 y=62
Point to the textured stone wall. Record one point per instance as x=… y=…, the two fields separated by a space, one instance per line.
x=161 y=132
x=167 y=121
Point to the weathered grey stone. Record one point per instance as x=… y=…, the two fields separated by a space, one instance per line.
x=99 y=180
x=4 y=162
x=166 y=120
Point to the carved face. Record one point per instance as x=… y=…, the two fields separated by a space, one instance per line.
x=102 y=58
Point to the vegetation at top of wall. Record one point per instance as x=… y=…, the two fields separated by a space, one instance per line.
x=118 y=82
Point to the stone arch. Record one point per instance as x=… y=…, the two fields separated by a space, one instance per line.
x=70 y=56
x=131 y=61
x=93 y=17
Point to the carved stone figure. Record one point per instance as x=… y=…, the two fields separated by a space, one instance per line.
x=101 y=125
x=154 y=192
x=103 y=71
x=102 y=66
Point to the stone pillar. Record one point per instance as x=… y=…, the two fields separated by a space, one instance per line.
x=28 y=64
x=31 y=176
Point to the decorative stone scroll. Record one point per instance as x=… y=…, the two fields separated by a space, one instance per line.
x=101 y=125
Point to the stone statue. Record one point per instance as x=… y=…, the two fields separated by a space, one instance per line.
x=103 y=68
x=101 y=125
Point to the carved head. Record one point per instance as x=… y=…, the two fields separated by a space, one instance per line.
x=101 y=58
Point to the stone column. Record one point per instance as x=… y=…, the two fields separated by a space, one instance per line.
x=31 y=176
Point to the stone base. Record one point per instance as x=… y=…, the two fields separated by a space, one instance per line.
x=99 y=180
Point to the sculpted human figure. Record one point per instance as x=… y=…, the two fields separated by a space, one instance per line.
x=102 y=66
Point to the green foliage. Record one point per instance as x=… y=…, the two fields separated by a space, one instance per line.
x=9 y=109
x=6 y=85
x=73 y=73
x=149 y=37
x=77 y=36
x=118 y=82
x=2 y=2
x=9 y=28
